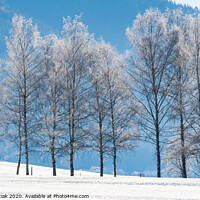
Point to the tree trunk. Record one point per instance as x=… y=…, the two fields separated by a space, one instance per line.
x=184 y=171
x=54 y=133
x=72 y=161
x=157 y=124
x=114 y=162
x=113 y=136
x=198 y=79
x=101 y=163
x=100 y=131
x=53 y=156
x=25 y=126
x=73 y=124
x=53 y=162
x=18 y=165
x=26 y=147
x=20 y=137
x=158 y=152
x=20 y=155
x=72 y=143
x=101 y=148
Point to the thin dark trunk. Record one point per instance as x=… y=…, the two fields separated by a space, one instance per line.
x=101 y=148
x=101 y=162
x=20 y=137
x=157 y=139
x=71 y=136
x=53 y=147
x=18 y=165
x=183 y=159
x=26 y=147
x=25 y=126
x=100 y=131
x=114 y=137
x=72 y=161
x=184 y=171
x=72 y=142
x=158 y=152
x=73 y=124
x=72 y=147
x=157 y=124
x=114 y=162
x=53 y=161
x=198 y=78
x=54 y=132
x=20 y=155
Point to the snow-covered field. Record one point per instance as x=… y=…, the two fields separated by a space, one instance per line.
x=87 y=183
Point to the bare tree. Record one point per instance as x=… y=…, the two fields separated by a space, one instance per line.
x=98 y=103
x=110 y=113
x=194 y=50
x=73 y=58
x=182 y=90
x=153 y=44
x=49 y=97
x=12 y=116
x=22 y=69
x=173 y=160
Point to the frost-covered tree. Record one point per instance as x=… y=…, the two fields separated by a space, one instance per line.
x=182 y=110
x=194 y=50
x=110 y=110
x=22 y=72
x=12 y=117
x=174 y=163
x=73 y=57
x=11 y=112
x=98 y=103
x=150 y=65
x=119 y=114
x=49 y=100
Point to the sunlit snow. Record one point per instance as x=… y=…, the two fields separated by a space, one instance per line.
x=87 y=183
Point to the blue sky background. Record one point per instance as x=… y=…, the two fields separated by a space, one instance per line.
x=106 y=18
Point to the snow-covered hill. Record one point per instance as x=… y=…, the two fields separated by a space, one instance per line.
x=42 y=184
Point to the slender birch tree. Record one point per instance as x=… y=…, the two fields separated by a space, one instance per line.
x=12 y=115
x=182 y=89
x=98 y=103
x=74 y=56
x=194 y=49
x=111 y=115
x=22 y=69
x=150 y=66
x=49 y=98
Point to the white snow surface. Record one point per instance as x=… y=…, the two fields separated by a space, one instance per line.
x=87 y=183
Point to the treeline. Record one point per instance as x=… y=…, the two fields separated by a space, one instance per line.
x=68 y=93
x=64 y=94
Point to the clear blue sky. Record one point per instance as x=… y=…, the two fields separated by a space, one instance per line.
x=107 y=18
